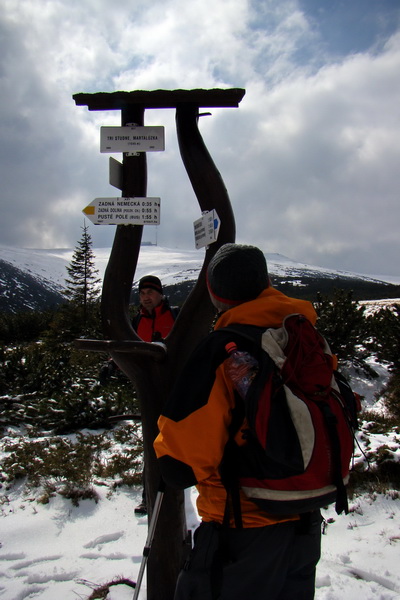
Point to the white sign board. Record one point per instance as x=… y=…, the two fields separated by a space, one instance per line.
x=124 y=211
x=206 y=229
x=131 y=138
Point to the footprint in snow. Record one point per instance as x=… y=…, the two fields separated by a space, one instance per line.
x=104 y=539
x=112 y=556
x=29 y=563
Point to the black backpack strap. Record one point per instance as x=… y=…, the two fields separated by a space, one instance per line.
x=229 y=466
x=249 y=337
x=231 y=483
x=331 y=424
x=351 y=401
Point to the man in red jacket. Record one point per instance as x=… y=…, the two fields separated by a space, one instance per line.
x=155 y=318
x=153 y=323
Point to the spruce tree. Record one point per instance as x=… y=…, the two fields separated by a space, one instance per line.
x=386 y=329
x=385 y=325
x=82 y=284
x=342 y=321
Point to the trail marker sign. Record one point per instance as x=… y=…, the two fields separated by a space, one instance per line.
x=206 y=229
x=116 y=177
x=124 y=211
x=131 y=138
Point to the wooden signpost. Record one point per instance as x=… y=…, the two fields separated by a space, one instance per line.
x=153 y=368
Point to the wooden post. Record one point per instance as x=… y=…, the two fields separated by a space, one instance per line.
x=153 y=369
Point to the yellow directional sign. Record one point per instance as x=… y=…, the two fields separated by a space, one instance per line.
x=124 y=211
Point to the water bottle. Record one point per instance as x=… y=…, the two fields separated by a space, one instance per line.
x=241 y=368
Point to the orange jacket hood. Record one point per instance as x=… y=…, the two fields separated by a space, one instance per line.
x=268 y=309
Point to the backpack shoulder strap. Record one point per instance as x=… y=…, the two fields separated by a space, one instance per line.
x=248 y=337
x=250 y=332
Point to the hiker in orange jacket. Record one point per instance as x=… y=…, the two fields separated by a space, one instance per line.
x=271 y=557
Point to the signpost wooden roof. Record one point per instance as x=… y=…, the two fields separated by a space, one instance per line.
x=161 y=98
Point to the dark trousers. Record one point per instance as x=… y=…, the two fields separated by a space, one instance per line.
x=276 y=562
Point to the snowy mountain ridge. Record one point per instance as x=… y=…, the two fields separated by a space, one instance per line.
x=34 y=279
x=171 y=265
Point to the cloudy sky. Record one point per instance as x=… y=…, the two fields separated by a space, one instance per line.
x=311 y=158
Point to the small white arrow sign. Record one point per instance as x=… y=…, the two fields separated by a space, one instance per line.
x=124 y=211
x=206 y=229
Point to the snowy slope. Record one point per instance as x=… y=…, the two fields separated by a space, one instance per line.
x=58 y=551
x=171 y=265
x=41 y=264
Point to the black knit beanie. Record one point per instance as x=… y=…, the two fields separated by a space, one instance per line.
x=236 y=274
x=150 y=281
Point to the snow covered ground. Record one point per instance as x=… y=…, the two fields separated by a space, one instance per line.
x=57 y=551
x=61 y=551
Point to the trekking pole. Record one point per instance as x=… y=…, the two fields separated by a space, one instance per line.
x=150 y=536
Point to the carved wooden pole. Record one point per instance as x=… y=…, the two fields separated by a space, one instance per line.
x=148 y=374
x=152 y=368
x=120 y=271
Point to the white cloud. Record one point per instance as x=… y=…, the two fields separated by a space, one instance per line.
x=322 y=152
x=310 y=159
